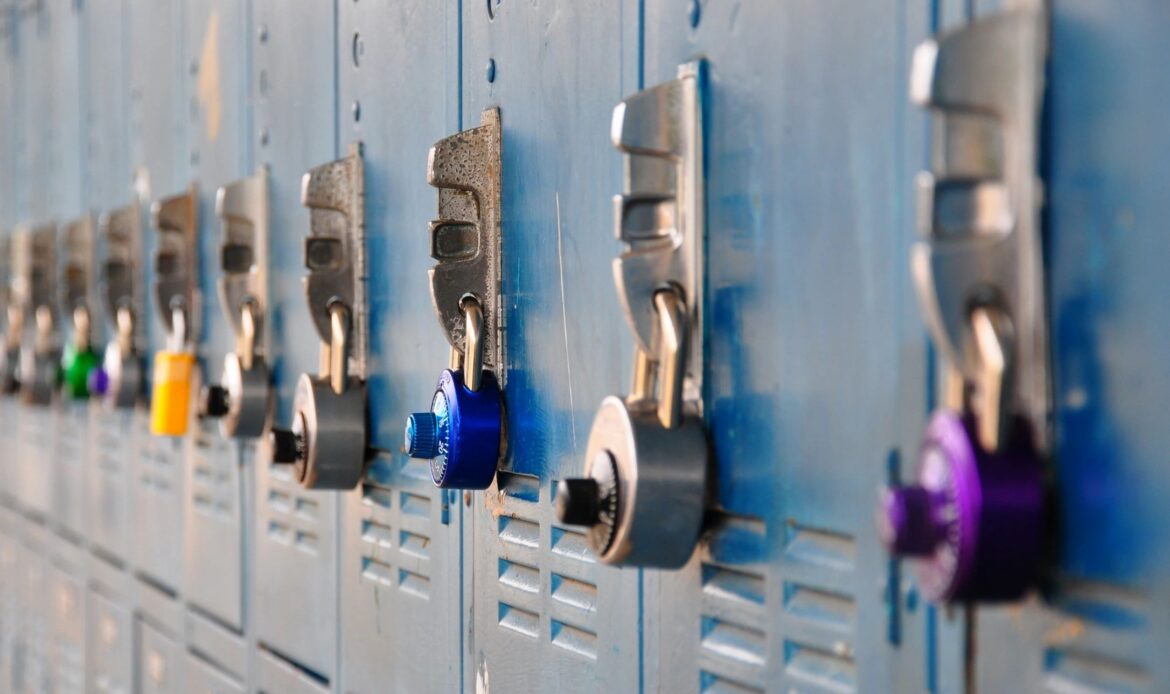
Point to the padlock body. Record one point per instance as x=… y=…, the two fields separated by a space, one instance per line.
x=170 y=401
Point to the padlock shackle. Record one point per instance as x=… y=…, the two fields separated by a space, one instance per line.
x=338 y=346
x=246 y=339
x=673 y=332
x=473 y=343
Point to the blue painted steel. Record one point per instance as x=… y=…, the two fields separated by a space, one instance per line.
x=819 y=371
x=463 y=427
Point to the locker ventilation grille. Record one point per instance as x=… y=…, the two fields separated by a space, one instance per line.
x=546 y=582
x=818 y=616
x=294 y=517
x=733 y=620
x=396 y=538
x=213 y=489
x=1099 y=629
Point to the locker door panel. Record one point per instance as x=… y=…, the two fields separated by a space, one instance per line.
x=535 y=592
x=61 y=76
x=159 y=662
x=156 y=529
x=1107 y=625
x=400 y=564
x=216 y=55
x=295 y=529
x=106 y=131
x=159 y=150
x=110 y=646
x=816 y=362
x=213 y=559
x=67 y=595
x=114 y=442
x=71 y=463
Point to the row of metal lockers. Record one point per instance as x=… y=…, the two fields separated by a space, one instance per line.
x=623 y=345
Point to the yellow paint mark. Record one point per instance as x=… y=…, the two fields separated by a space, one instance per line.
x=210 y=97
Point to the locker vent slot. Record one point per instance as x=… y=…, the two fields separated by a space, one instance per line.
x=389 y=515
x=519 y=576
x=822 y=607
x=819 y=547
x=572 y=544
x=827 y=669
x=519 y=620
x=574 y=593
x=575 y=639
x=1092 y=648
x=818 y=618
x=710 y=683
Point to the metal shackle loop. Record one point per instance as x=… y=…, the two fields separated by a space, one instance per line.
x=338 y=346
x=673 y=332
x=15 y=326
x=44 y=324
x=991 y=330
x=473 y=343
x=177 y=340
x=125 y=322
x=246 y=339
x=81 y=327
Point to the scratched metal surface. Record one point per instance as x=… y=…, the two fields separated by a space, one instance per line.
x=400 y=543
x=293 y=73
x=216 y=50
x=818 y=374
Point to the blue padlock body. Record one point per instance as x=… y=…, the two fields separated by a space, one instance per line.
x=468 y=432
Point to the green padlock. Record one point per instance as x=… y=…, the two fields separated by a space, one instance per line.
x=75 y=366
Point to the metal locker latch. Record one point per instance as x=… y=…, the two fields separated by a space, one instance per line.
x=243 y=399
x=121 y=380
x=78 y=302
x=461 y=434
x=175 y=297
x=35 y=257
x=644 y=491
x=326 y=443
x=975 y=520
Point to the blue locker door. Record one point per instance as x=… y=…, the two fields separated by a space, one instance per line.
x=400 y=562
x=295 y=535
x=544 y=613
x=816 y=371
x=217 y=55
x=158 y=118
x=1106 y=626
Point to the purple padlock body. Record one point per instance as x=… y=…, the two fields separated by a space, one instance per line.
x=983 y=514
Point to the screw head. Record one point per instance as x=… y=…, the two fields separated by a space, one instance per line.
x=287 y=447
x=578 y=501
x=214 y=401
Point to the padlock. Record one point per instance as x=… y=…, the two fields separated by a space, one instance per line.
x=170 y=400
x=461 y=435
x=76 y=365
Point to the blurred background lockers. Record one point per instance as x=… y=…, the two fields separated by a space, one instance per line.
x=133 y=563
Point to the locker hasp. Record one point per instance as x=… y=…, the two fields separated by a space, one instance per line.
x=242 y=401
x=175 y=295
x=462 y=435
x=644 y=490
x=326 y=442
x=974 y=522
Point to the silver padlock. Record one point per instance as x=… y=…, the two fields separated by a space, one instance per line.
x=243 y=399
x=327 y=439
x=644 y=493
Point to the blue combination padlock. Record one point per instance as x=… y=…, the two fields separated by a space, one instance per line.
x=461 y=433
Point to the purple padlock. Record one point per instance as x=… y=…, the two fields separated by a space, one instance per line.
x=974 y=523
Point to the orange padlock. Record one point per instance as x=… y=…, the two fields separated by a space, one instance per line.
x=170 y=402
